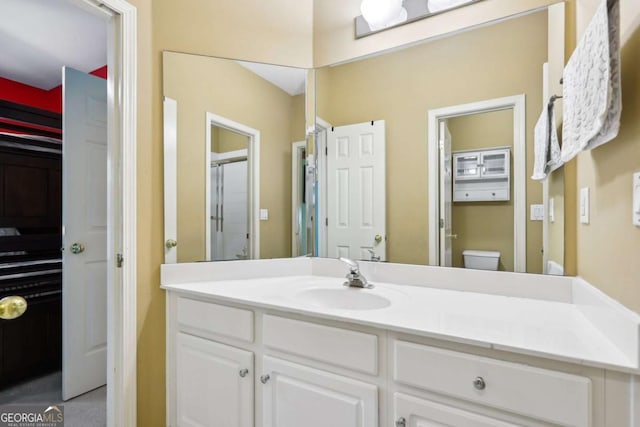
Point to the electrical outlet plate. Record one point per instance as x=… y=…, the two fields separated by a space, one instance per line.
x=584 y=205
x=537 y=212
x=264 y=214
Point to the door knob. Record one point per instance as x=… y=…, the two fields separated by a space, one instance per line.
x=401 y=422
x=453 y=236
x=243 y=372
x=378 y=238
x=76 y=248
x=265 y=378
x=12 y=307
x=171 y=244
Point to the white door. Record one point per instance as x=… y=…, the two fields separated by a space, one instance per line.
x=296 y=396
x=446 y=190
x=214 y=384
x=356 y=191
x=411 y=411
x=84 y=219
x=170 y=121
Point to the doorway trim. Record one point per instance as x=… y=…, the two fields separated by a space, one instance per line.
x=517 y=104
x=122 y=328
x=320 y=245
x=253 y=156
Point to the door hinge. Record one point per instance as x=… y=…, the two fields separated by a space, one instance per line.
x=119 y=260
x=441 y=223
x=326 y=151
x=247 y=236
x=326 y=222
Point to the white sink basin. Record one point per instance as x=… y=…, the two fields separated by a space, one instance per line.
x=343 y=298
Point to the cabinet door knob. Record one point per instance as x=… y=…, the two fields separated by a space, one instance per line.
x=401 y=422
x=264 y=378
x=479 y=383
x=243 y=372
x=170 y=243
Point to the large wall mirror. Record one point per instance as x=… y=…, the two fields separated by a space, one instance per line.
x=421 y=155
x=235 y=159
x=426 y=153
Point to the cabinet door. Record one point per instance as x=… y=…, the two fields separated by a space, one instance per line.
x=213 y=388
x=296 y=396
x=495 y=164
x=415 y=412
x=466 y=165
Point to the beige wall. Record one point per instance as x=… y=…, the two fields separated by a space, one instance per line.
x=202 y=84
x=275 y=31
x=556 y=228
x=484 y=225
x=506 y=60
x=224 y=140
x=608 y=248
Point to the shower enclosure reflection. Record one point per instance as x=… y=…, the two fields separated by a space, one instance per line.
x=229 y=193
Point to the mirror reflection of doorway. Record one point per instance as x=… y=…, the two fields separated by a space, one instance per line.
x=477 y=195
x=229 y=195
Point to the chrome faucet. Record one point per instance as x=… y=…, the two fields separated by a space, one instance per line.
x=374 y=257
x=354 y=278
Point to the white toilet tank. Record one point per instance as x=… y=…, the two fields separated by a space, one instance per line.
x=481 y=260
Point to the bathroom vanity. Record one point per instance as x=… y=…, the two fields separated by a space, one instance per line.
x=280 y=343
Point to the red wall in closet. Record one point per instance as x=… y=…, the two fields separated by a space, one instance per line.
x=46 y=99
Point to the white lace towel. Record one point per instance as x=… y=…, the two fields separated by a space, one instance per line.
x=546 y=145
x=591 y=90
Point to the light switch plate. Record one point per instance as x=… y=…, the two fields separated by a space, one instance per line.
x=552 y=210
x=537 y=212
x=584 y=205
x=264 y=214
x=636 y=199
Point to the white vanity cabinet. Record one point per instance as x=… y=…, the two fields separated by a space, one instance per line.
x=412 y=411
x=233 y=366
x=215 y=362
x=214 y=383
x=296 y=395
x=210 y=369
x=541 y=394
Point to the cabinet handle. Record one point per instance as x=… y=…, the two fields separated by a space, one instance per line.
x=264 y=378
x=243 y=372
x=401 y=422
x=479 y=383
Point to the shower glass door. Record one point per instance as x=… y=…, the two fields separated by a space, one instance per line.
x=229 y=210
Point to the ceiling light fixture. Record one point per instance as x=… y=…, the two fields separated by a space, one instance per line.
x=379 y=15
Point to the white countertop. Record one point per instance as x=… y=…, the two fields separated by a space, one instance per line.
x=550 y=329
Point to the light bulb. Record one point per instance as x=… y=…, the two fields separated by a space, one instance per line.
x=381 y=14
x=439 y=5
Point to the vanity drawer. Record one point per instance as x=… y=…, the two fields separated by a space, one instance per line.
x=353 y=350
x=215 y=319
x=538 y=393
